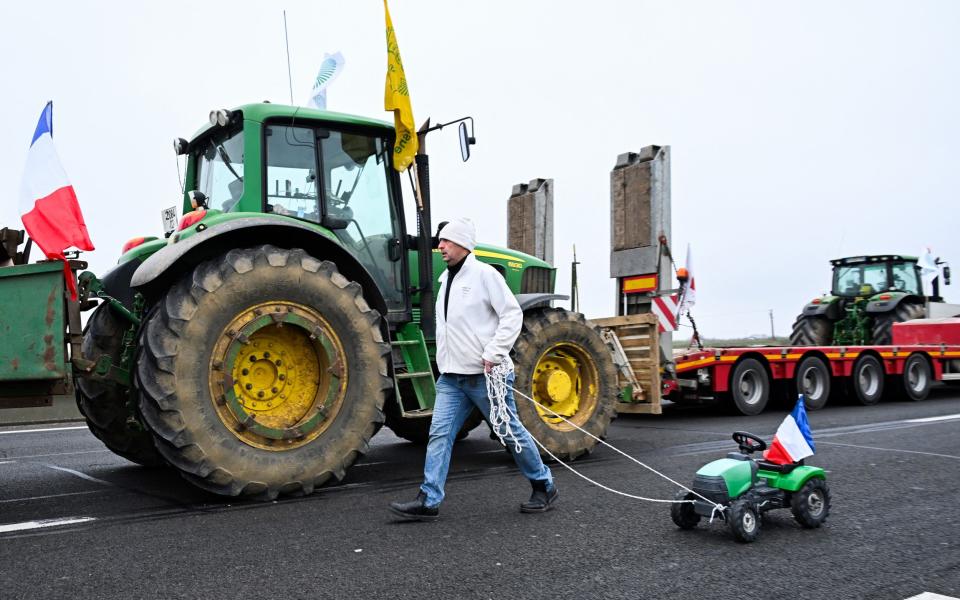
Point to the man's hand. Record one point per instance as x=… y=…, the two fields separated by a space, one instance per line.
x=487 y=366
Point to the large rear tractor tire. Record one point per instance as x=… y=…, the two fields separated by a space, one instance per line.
x=811 y=331
x=263 y=372
x=106 y=406
x=563 y=364
x=883 y=323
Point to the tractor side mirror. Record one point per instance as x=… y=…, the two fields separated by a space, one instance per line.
x=946 y=275
x=466 y=140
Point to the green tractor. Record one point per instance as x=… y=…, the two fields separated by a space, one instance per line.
x=869 y=295
x=262 y=342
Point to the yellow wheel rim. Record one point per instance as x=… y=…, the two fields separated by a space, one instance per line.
x=278 y=375
x=565 y=380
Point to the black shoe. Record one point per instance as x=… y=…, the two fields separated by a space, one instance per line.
x=415 y=510
x=541 y=500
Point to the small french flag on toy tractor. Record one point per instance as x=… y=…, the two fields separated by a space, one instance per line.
x=746 y=487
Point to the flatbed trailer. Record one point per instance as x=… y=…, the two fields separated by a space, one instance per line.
x=746 y=375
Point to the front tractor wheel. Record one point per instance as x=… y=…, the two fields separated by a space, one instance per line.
x=263 y=372
x=106 y=406
x=563 y=364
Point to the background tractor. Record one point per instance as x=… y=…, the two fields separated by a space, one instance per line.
x=869 y=294
x=261 y=343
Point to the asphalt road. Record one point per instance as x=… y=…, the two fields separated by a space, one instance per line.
x=894 y=530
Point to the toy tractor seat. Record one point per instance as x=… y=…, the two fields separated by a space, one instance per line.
x=783 y=469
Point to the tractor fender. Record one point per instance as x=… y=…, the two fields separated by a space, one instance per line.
x=116 y=281
x=877 y=306
x=830 y=309
x=158 y=272
x=532 y=300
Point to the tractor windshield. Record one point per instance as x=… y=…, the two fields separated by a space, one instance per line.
x=906 y=278
x=860 y=280
x=220 y=169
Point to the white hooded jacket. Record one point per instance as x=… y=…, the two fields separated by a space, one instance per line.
x=483 y=319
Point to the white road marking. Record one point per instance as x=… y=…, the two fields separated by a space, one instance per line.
x=934 y=419
x=60 y=454
x=42 y=430
x=80 y=475
x=7 y=462
x=45 y=523
x=931 y=596
x=50 y=496
x=890 y=449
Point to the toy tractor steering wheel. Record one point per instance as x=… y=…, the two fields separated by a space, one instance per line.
x=748 y=442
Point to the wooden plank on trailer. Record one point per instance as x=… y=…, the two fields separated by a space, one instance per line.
x=645 y=318
x=639 y=408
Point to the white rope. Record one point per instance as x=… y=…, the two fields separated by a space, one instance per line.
x=499 y=411
x=496 y=390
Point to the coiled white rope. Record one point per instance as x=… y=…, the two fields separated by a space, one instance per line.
x=497 y=387
x=499 y=411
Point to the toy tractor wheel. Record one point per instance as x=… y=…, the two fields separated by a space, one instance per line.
x=917 y=378
x=683 y=514
x=811 y=505
x=743 y=520
x=564 y=365
x=813 y=381
x=867 y=380
x=749 y=387
x=263 y=372
x=106 y=407
x=811 y=331
x=883 y=324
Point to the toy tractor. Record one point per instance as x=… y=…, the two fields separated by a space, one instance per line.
x=747 y=488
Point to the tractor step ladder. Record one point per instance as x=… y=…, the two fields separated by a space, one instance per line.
x=416 y=369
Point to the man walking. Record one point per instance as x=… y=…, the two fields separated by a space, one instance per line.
x=478 y=320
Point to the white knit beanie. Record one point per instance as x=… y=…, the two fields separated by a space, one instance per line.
x=460 y=231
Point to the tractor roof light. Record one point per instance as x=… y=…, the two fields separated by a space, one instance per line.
x=817 y=301
x=221 y=117
x=885 y=296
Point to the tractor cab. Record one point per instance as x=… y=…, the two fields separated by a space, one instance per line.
x=865 y=276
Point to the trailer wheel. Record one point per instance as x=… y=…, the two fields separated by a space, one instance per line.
x=811 y=331
x=563 y=364
x=106 y=406
x=917 y=377
x=883 y=323
x=811 y=504
x=813 y=381
x=867 y=380
x=263 y=372
x=749 y=387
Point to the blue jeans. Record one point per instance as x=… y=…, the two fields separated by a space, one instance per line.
x=456 y=397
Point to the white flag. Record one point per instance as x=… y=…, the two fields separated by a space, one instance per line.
x=928 y=268
x=330 y=69
x=689 y=293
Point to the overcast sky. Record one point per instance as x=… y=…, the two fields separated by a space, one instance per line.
x=800 y=132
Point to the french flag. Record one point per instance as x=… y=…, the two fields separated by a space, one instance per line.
x=48 y=204
x=793 y=441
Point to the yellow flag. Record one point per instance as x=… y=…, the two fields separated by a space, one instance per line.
x=397 y=98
